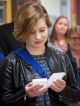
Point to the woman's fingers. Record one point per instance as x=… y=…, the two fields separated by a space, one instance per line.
x=58 y=85
x=33 y=90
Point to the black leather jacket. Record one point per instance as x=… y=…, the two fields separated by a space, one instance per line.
x=15 y=74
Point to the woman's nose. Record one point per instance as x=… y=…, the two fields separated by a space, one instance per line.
x=38 y=36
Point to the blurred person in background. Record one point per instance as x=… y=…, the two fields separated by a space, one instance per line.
x=67 y=41
x=59 y=32
x=6 y=32
x=74 y=51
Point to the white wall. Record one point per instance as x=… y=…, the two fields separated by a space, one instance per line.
x=51 y=6
x=55 y=8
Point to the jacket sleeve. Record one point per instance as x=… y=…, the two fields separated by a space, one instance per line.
x=7 y=90
x=71 y=92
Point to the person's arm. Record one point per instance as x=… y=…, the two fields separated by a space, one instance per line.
x=71 y=92
x=3 y=45
x=7 y=92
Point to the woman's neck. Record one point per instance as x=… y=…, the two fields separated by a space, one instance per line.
x=61 y=41
x=36 y=51
x=60 y=37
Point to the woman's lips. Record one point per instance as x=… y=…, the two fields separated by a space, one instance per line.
x=38 y=42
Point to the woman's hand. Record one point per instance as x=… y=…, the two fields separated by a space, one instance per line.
x=58 y=85
x=33 y=90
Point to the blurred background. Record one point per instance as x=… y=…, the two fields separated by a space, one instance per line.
x=55 y=8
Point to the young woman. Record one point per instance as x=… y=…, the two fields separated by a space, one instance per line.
x=37 y=60
x=59 y=33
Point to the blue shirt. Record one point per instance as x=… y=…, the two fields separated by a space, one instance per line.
x=1 y=56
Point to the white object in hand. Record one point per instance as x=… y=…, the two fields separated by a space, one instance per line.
x=55 y=76
x=42 y=81
x=47 y=82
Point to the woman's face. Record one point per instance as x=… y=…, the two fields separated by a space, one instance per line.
x=38 y=35
x=74 y=41
x=61 y=26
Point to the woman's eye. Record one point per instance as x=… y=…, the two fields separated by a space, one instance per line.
x=33 y=32
x=42 y=30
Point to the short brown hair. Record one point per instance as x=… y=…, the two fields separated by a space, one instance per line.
x=75 y=29
x=21 y=2
x=26 y=18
